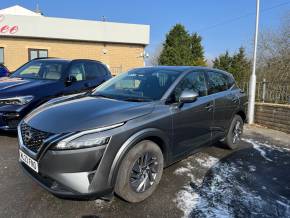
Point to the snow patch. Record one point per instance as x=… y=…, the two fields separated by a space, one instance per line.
x=189 y=172
x=252 y=168
x=267 y=145
x=216 y=195
x=181 y=171
x=227 y=186
x=200 y=160
x=100 y=203
x=207 y=162
x=186 y=199
x=258 y=147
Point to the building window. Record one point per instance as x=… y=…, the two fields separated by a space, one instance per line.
x=37 y=53
x=1 y=55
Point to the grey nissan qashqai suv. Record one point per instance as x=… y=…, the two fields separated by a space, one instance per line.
x=119 y=137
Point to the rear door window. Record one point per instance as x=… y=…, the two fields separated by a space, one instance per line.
x=77 y=71
x=217 y=82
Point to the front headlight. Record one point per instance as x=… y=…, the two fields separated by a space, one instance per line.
x=20 y=100
x=82 y=142
x=85 y=139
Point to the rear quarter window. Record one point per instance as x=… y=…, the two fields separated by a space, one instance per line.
x=103 y=71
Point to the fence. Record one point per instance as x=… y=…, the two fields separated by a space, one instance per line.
x=270 y=92
x=274 y=116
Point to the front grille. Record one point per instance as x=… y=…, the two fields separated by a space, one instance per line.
x=33 y=138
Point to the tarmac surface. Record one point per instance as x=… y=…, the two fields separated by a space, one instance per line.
x=252 y=181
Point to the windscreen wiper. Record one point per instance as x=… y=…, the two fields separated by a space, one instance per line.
x=137 y=99
x=102 y=96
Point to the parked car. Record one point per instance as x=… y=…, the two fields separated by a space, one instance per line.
x=43 y=79
x=118 y=138
x=3 y=71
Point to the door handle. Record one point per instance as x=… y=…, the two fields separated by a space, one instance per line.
x=209 y=106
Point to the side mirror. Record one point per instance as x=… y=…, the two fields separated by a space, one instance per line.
x=71 y=79
x=188 y=96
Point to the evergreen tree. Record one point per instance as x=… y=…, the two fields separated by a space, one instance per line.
x=176 y=49
x=223 y=62
x=197 y=50
x=180 y=48
x=238 y=64
x=241 y=66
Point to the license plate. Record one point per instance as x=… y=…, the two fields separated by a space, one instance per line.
x=28 y=161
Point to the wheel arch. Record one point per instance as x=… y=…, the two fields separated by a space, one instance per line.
x=242 y=114
x=152 y=134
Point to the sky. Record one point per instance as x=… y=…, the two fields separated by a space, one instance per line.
x=223 y=24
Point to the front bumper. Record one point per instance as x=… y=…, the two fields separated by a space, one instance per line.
x=11 y=115
x=9 y=120
x=60 y=190
x=70 y=174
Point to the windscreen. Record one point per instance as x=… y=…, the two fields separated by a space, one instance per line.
x=42 y=69
x=139 y=84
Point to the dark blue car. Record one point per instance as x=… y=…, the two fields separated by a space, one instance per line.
x=3 y=71
x=40 y=80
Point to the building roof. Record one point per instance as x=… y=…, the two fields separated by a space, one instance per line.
x=27 y=24
x=18 y=10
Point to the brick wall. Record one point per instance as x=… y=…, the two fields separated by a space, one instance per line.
x=125 y=56
x=274 y=116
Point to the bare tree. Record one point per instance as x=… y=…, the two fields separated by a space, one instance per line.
x=274 y=61
x=274 y=53
x=154 y=57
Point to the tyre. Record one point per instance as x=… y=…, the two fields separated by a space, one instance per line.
x=140 y=172
x=235 y=132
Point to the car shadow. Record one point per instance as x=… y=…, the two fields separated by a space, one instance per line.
x=250 y=182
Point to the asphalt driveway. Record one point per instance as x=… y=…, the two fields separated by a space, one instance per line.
x=253 y=181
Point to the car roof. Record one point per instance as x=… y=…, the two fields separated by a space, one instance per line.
x=184 y=68
x=63 y=59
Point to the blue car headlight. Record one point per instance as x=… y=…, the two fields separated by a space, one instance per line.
x=19 y=100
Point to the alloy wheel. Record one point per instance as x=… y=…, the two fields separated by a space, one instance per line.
x=144 y=172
